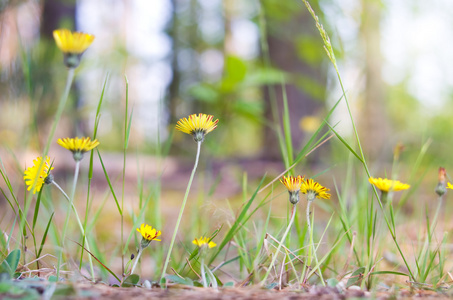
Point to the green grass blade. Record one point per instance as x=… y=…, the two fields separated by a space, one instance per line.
x=90 y=168
x=325 y=256
x=110 y=183
x=389 y=272
x=237 y=224
x=345 y=143
x=104 y=266
x=45 y=235
x=309 y=144
x=35 y=215
x=287 y=129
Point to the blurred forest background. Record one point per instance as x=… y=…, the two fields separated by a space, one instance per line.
x=236 y=60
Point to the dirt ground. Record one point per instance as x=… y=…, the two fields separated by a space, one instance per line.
x=256 y=293
x=177 y=292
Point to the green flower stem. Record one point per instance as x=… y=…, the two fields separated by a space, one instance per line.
x=80 y=226
x=384 y=197
x=181 y=211
x=274 y=258
x=68 y=213
x=436 y=216
x=203 y=275
x=136 y=260
x=61 y=105
x=60 y=110
x=310 y=232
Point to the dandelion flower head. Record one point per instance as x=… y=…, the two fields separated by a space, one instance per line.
x=293 y=184
x=314 y=190
x=72 y=44
x=149 y=233
x=202 y=241
x=78 y=146
x=449 y=186
x=197 y=125
x=38 y=172
x=386 y=185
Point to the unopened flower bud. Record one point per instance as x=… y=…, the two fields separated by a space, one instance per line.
x=441 y=186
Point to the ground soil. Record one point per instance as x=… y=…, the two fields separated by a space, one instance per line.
x=178 y=292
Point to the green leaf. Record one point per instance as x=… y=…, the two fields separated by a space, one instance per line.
x=235 y=71
x=271 y=286
x=204 y=92
x=389 y=272
x=65 y=290
x=332 y=282
x=356 y=277
x=13 y=259
x=212 y=278
x=228 y=284
x=9 y=265
x=177 y=279
x=131 y=280
x=265 y=76
x=6 y=287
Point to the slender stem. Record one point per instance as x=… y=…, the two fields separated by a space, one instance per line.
x=274 y=258
x=75 y=179
x=136 y=260
x=203 y=275
x=181 y=211
x=60 y=109
x=436 y=216
x=80 y=227
x=126 y=138
x=310 y=232
x=74 y=185
x=68 y=213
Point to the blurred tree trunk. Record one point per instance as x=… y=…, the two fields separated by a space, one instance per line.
x=54 y=13
x=374 y=127
x=186 y=43
x=173 y=94
x=289 y=42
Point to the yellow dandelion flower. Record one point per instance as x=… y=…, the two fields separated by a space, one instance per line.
x=386 y=185
x=449 y=186
x=149 y=233
x=202 y=241
x=37 y=173
x=78 y=146
x=293 y=185
x=197 y=125
x=310 y=123
x=72 y=44
x=314 y=190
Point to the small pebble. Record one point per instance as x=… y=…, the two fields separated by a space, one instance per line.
x=147 y=284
